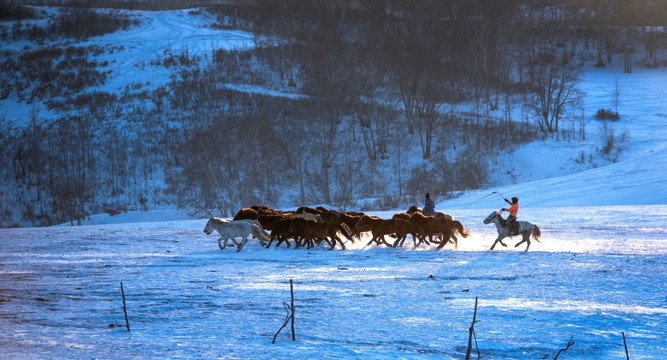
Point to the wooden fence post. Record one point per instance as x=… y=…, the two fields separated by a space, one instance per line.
x=471 y=332
x=127 y=323
x=291 y=290
x=627 y=355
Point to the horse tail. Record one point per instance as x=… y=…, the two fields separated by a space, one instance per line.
x=259 y=233
x=460 y=229
x=536 y=233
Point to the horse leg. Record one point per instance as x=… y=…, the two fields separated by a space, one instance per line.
x=236 y=243
x=526 y=239
x=340 y=241
x=242 y=244
x=222 y=245
x=372 y=240
x=424 y=240
x=384 y=241
x=403 y=241
x=444 y=241
x=415 y=240
x=418 y=240
x=271 y=238
x=398 y=240
x=498 y=240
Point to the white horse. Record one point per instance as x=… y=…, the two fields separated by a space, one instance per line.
x=525 y=230
x=230 y=230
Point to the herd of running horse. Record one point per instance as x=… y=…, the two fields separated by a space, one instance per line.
x=309 y=227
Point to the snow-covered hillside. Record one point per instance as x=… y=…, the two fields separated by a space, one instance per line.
x=598 y=272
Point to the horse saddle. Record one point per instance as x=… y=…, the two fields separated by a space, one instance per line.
x=512 y=227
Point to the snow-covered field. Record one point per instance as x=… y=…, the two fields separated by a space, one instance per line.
x=600 y=270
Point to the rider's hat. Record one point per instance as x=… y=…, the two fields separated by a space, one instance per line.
x=515 y=199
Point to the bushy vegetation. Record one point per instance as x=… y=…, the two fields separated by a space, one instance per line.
x=607 y=114
x=12 y=10
x=395 y=99
x=52 y=72
x=130 y=4
x=78 y=23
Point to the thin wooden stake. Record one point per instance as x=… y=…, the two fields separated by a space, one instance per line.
x=127 y=323
x=291 y=290
x=289 y=309
x=570 y=343
x=472 y=331
x=284 y=324
x=627 y=355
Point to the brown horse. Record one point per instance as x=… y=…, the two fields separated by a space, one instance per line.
x=378 y=228
x=269 y=220
x=246 y=214
x=402 y=216
x=315 y=232
x=445 y=228
x=451 y=227
x=403 y=228
x=281 y=231
x=350 y=220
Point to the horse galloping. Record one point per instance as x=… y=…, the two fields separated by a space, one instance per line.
x=230 y=230
x=379 y=228
x=315 y=232
x=526 y=229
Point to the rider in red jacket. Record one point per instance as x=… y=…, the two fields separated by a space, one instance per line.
x=513 y=210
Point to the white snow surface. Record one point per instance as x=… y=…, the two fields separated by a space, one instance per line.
x=599 y=271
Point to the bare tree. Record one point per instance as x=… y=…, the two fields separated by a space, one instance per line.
x=427 y=111
x=554 y=88
x=616 y=95
x=629 y=37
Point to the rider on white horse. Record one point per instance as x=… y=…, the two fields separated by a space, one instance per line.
x=513 y=210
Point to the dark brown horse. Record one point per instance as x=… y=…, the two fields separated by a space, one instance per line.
x=281 y=232
x=246 y=214
x=315 y=232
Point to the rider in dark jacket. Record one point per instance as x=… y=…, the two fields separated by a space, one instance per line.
x=429 y=206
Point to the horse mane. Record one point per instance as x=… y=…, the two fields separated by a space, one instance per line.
x=218 y=220
x=418 y=215
x=503 y=221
